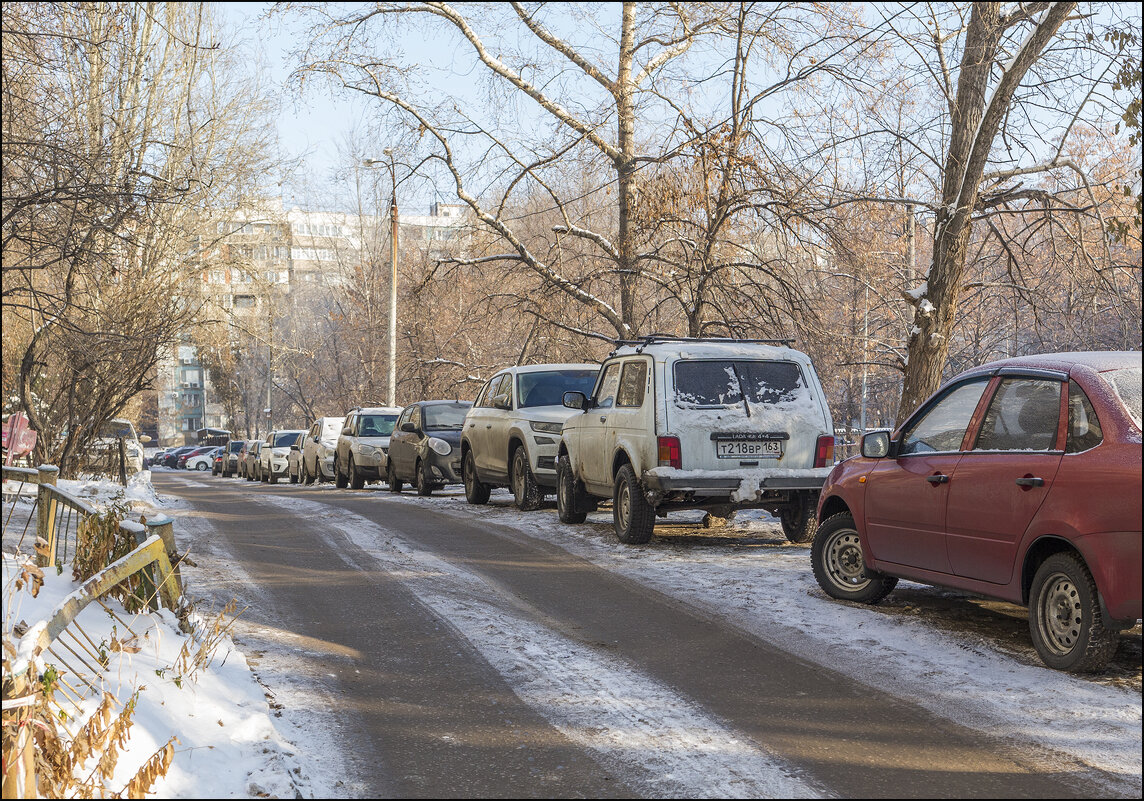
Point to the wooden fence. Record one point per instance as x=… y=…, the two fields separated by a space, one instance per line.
x=58 y=515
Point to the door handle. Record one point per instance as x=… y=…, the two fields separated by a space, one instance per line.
x=490 y=425
x=937 y=479
x=1030 y=481
x=603 y=419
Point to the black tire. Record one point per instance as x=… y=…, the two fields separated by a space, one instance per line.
x=840 y=568
x=633 y=516
x=293 y=476
x=423 y=483
x=201 y=466
x=1066 y=620
x=273 y=477
x=262 y=476
x=476 y=491
x=567 y=508
x=526 y=493
x=341 y=480
x=800 y=519
x=357 y=479
x=391 y=477
x=307 y=478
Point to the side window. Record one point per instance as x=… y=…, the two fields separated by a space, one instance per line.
x=633 y=380
x=609 y=383
x=1022 y=416
x=405 y=415
x=484 y=395
x=1084 y=427
x=415 y=417
x=943 y=427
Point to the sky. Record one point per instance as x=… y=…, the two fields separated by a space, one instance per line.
x=239 y=738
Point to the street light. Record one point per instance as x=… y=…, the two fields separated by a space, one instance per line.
x=392 y=395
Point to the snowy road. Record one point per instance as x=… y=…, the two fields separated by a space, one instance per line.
x=425 y=647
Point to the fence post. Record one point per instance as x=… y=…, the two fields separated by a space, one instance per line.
x=46 y=516
x=147 y=574
x=164 y=527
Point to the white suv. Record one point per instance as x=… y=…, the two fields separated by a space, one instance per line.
x=363 y=446
x=512 y=431
x=272 y=458
x=714 y=424
x=318 y=447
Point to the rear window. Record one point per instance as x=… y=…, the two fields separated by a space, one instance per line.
x=1127 y=385
x=235 y=445
x=547 y=388
x=725 y=382
x=117 y=428
x=332 y=426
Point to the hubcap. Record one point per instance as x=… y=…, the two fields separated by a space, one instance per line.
x=1060 y=613
x=844 y=561
x=624 y=507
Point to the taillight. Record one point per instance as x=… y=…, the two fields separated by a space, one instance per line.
x=824 y=452
x=669 y=452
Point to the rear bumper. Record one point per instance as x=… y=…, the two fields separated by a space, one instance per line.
x=741 y=489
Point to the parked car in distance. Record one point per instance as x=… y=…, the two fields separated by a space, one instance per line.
x=318 y=448
x=362 y=445
x=230 y=465
x=198 y=450
x=201 y=458
x=1018 y=480
x=714 y=424
x=103 y=450
x=171 y=460
x=251 y=460
x=512 y=431
x=294 y=458
x=243 y=459
x=424 y=448
x=274 y=452
x=219 y=460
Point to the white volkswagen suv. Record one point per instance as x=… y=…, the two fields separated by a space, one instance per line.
x=715 y=424
x=511 y=433
x=272 y=459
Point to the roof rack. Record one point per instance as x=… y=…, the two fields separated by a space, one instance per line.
x=642 y=342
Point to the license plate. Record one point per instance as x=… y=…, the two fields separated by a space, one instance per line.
x=748 y=449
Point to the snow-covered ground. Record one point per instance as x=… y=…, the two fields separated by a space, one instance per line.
x=752 y=577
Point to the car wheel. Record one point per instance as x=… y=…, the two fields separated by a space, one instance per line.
x=566 y=507
x=341 y=480
x=391 y=477
x=272 y=478
x=525 y=491
x=633 y=516
x=201 y=466
x=800 y=519
x=476 y=491
x=357 y=478
x=263 y=476
x=839 y=566
x=1066 y=620
x=293 y=476
x=424 y=483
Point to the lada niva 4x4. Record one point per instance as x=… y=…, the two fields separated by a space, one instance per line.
x=715 y=424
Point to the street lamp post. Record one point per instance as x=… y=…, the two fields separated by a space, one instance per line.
x=391 y=399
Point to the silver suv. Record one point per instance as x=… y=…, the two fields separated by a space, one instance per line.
x=363 y=445
x=512 y=431
x=715 y=424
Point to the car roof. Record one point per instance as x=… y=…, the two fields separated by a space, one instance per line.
x=517 y=369
x=378 y=409
x=711 y=348
x=442 y=402
x=1098 y=360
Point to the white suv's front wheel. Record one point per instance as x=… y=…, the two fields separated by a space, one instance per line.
x=633 y=516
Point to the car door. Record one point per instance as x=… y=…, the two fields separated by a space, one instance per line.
x=498 y=422
x=402 y=444
x=906 y=496
x=595 y=454
x=1001 y=482
x=478 y=423
x=627 y=427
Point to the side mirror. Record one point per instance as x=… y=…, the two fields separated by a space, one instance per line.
x=876 y=444
x=295 y=447
x=501 y=402
x=575 y=400
x=408 y=427
x=144 y=438
x=348 y=431
x=316 y=438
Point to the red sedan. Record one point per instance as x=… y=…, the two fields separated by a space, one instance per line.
x=1019 y=480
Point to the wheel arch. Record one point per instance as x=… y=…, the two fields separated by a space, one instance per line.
x=1037 y=553
x=620 y=459
x=833 y=505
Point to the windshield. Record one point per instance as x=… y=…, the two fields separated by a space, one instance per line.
x=1127 y=385
x=117 y=428
x=548 y=388
x=285 y=439
x=445 y=415
x=723 y=382
x=377 y=425
x=235 y=445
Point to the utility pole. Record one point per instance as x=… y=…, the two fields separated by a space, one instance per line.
x=391 y=396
